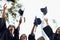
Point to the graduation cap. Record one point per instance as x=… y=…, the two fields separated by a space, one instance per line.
x=44 y=10
x=37 y=21
x=20 y=12
x=11 y=0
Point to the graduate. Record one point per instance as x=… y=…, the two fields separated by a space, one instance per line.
x=49 y=32
x=10 y=33
x=23 y=37
x=32 y=35
x=37 y=22
x=41 y=38
x=2 y=22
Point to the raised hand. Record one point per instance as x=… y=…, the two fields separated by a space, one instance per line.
x=46 y=20
x=4 y=8
x=20 y=21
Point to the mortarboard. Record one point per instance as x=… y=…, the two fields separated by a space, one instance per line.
x=11 y=0
x=20 y=12
x=37 y=21
x=44 y=10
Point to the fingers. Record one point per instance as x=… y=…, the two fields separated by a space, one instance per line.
x=4 y=4
x=46 y=19
x=4 y=7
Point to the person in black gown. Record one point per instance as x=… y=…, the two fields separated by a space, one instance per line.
x=9 y=33
x=49 y=32
x=41 y=38
x=2 y=23
x=32 y=35
x=23 y=37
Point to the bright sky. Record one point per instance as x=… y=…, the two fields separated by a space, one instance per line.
x=32 y=9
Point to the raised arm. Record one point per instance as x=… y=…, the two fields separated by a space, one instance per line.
x=20 y=21
x=46 y=20
x=4 y=8
x=2 y=20
x=17 y=30
x=48 y=29
x=32 y=35
x=33 y=29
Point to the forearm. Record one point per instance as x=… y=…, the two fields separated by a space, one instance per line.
x=47 y=23
x=32 y=29
x=4 y=8
x=20 y=21
x=18 y=27
x=3 y=14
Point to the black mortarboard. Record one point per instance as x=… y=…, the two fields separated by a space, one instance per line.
x=21 y=12
x=11 y=0
x=44 y=10
x=37 y=21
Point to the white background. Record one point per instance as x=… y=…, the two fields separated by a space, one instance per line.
x=32 y=9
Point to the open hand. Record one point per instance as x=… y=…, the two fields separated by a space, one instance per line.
x=4 y=7
x=46 y=20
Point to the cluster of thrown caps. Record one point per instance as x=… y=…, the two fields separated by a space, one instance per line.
x=37 y=21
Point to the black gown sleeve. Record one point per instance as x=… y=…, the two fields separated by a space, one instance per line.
x=2 y=24
x=48 y=31
x=16 y=34
x=5 y=36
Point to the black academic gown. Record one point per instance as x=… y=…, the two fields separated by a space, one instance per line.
x=4 y=32
x=9 y=36
x=50 y=34
x=31 y=37
x=2 y=27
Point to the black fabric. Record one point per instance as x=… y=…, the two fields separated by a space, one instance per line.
x=48 y=30
x=11 y=0
x=2 y=26
x=57 y=37
x=50 y=34
x=16 y=34
x=4 y=32
x=31 y=37
x=9 y=36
